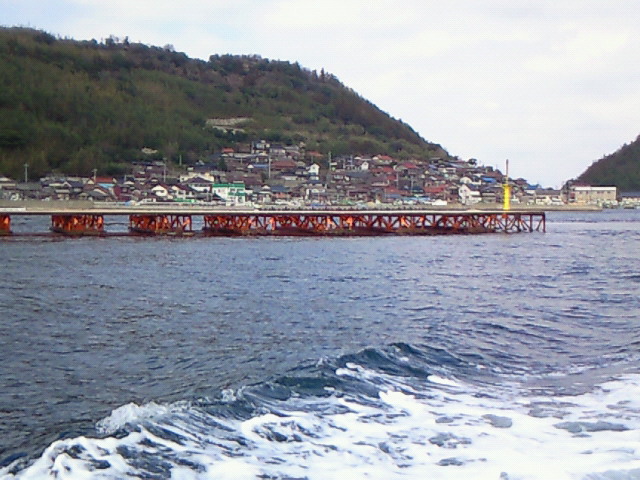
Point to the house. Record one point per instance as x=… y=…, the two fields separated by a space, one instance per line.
x=379 y=181
x=285 y=165
x=185 y=193
x=489 y=179
x=436 y=191
x=469 y=180
x=161 y=192
x=548 y=196
x=391 y=194
x=62 y=189
x=98 y=193
x=252 y=180
x=383 y=160
x=264 y=195
x=106 y=182
x=469 y=194
x=407 y=167
x=260 y=147
x=199 y=184
x=7 y=187
x=292 y=151
x=314 y=156
x=358 y=193
x=126 y=192
x=29 y=190
x=491 y=193
x=277 y=150
x=630 y=199
x=314 y=170
x=280 y=192
x=6 y=181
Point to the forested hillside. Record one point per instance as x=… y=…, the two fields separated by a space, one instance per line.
x=72 y=106
x=621 y=168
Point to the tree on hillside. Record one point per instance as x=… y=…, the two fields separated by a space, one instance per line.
x=621 y=168
x=72 y=106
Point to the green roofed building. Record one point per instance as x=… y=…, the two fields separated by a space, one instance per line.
x=232 y=193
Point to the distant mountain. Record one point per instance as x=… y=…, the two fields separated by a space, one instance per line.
x=74 y=106
x=620 y=169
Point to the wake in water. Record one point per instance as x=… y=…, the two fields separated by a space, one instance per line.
x=401 y=412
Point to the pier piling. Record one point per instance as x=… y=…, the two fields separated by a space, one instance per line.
x=74 y=224
x=5 y=224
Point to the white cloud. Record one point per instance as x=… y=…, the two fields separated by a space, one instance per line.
x=581 y=50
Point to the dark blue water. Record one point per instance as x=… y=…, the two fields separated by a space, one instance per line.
x=391 y=357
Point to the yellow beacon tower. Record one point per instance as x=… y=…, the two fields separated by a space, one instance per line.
x=506 y=191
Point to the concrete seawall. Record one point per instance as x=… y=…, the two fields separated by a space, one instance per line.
x=48 y=205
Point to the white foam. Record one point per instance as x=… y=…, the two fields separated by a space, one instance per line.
x=443 y=381
x=133 y=413
x=441 y=433
x=229 y=395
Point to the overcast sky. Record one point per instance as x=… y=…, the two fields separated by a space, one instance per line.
x=550 y=85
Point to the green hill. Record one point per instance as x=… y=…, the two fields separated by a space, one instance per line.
x=72 y=106
x=620 y=169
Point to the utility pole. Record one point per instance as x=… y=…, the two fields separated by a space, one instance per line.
x=95 y=172
x=26 y=172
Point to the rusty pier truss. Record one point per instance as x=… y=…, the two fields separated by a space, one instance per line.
x=216 y=222
x=370 y=223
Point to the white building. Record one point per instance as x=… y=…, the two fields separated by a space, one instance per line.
x=232 y=193
x=594 y=195
x=314 y=170
x=469 y=194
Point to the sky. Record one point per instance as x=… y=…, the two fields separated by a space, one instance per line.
x=551 y=85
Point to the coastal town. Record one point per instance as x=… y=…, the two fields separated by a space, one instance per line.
x=270 y=174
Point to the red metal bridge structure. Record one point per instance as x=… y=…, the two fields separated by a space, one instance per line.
x=370 y=223
x=216 y=222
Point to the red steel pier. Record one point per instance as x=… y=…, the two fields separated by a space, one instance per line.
x=255 y=222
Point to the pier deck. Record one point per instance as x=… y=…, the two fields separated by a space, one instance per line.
x=240 y=222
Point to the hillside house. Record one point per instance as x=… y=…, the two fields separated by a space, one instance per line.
x=199 y=184
x=436 y=191
x=284 y=166
x=313 y=170
x=469 y=194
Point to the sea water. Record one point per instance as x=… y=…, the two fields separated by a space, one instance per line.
x=499 y=356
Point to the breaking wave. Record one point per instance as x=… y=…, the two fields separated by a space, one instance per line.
x=404 y=411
